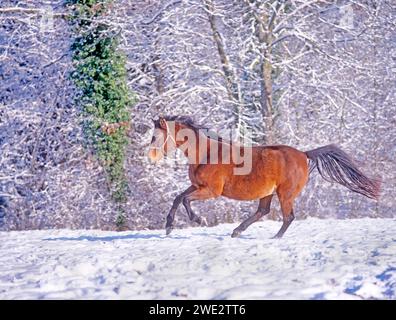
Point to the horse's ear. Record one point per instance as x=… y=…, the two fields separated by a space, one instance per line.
x=162 y=122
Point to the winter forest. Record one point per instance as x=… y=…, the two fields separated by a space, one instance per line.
x=81 y=81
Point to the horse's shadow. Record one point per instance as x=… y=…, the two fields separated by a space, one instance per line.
x=220 y=236
x=134 y=236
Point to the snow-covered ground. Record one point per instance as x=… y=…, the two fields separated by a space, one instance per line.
x=316 y=259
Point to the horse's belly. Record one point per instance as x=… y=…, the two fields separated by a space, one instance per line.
x=248 y=191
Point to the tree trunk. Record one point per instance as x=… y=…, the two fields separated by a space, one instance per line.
x=266 y=38
x=231 y=83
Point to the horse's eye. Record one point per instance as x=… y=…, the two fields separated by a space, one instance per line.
x=152 y=139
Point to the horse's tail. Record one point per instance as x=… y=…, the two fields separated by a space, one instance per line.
x=335 y=165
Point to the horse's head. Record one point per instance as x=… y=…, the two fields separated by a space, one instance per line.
x=163 y=140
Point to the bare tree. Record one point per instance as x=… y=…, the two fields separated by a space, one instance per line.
x=300 y=72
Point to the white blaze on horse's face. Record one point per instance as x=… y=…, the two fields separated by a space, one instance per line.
x=156 y=152
x=161 y=144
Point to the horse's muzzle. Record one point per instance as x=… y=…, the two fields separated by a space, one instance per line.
x=154 y=155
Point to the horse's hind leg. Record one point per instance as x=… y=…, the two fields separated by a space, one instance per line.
x=287 y=220
x=286 y=199
x=263 y=209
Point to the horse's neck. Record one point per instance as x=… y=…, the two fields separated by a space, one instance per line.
x=195 y=150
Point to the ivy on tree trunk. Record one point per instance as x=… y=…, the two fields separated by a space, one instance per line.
x=100 y=74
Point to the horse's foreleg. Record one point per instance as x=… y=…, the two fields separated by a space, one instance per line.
x=193 y=217
x=191 y=194
x=263 y=209
x=198 y=194
x=171 y=215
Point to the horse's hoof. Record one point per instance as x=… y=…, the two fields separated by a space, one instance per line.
x=168 y=230
x=235 y=234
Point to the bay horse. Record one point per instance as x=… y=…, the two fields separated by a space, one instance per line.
x=281 y=169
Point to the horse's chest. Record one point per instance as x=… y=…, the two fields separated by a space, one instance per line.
x=192 y=175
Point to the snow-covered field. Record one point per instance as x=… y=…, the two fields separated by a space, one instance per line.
x=316 y=259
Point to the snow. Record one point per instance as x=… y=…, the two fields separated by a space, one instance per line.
x=316 y=259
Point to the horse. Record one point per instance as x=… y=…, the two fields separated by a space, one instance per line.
x=278 y=169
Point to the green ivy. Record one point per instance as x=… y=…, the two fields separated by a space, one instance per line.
x=100 y=74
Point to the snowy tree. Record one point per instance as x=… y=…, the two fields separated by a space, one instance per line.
x=304 y=73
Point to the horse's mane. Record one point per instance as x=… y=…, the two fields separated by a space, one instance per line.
x=191 y=124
